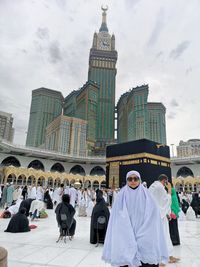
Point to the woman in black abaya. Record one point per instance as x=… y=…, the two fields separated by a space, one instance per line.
x=18 y=223
x=47 y=200
x=100 y=209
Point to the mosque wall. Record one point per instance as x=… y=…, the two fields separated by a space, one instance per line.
x=195 y=168
x=23 y=175
x=47 y=163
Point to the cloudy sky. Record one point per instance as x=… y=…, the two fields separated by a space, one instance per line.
x=47 y=42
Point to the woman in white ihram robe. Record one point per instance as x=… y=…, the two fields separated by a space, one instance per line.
x=135 y=235
x=190 y=214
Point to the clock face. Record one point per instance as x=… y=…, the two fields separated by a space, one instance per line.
x=104 y=44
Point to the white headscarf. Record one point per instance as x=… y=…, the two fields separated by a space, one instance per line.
x=133 y=173
x=135 y=232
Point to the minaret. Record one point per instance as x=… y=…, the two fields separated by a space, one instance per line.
x=102 y=70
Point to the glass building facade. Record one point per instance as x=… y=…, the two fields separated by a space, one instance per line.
x=46 y=105
x=6 y=126
x=102 y=70
x=137 y=119
x=67 y=135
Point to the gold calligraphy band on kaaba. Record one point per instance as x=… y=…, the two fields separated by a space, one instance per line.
x=138 y=156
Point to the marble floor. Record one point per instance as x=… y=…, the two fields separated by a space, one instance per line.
x=39 y=248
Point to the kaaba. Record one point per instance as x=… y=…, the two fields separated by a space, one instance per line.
x=149 y=158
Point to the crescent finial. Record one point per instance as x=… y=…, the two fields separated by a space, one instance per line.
x=104 y=8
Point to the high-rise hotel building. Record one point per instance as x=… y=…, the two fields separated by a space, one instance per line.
x=67 y=135
x=94 y=103
x=137 y=119
x=6 y=126
x=102 y=70
x=46 y=105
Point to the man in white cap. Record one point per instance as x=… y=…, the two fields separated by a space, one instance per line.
x=135 y=235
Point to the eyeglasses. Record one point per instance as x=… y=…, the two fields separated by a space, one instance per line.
x=130 y=179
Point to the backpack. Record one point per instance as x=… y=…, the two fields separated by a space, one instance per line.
x=101 y=222
x=65 y=217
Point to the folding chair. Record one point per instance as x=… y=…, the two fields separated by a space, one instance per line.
x=64 y=229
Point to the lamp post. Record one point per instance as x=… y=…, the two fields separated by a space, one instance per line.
x=172 y=149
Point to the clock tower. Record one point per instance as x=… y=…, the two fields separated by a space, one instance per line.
x=102 y=70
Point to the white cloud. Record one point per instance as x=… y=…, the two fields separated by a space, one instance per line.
x=47 y=43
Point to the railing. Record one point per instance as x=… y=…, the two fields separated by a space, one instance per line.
x=49 y=152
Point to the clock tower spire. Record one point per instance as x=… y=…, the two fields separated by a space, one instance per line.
x=104 y=27
x=102 y=70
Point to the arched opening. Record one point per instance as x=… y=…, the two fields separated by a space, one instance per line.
x=181 y=188
x=11 y=178
x=66 y=182
x=177 y=187
x=97 y=171
x=57 y=182
x=31 y=180
x=50 y=182
x=72 y=182
x=198 y=187
x=36 y=164
x=190 y=188
x=21 y=180
x=41 y=181
x=187 y=188
x=1 y=177
x=11 y=161
x=87 y=184
x=57 y=167
x=77 y=169
x=95 y=184
x=103 y=184
x=184 y=172
x=81 y=183
x=195 y=187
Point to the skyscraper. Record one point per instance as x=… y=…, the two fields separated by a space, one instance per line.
x=137 y=119
x=156 y=120
x=69 y=106
x=132 y=115
x=86 y=108
x=6 y=126
x=46 y=105
x=102 y=70
x=83 y=104
x=67 y=135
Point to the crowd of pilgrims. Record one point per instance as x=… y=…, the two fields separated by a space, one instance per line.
x=22 y=202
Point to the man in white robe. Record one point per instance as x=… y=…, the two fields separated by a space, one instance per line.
x=73 y=196
x=80 y=195
x=57 y=195
x=40 y=192
x=66 y=191
x=17 y=194
x=190 y=214
x=36 y=207
x=163 y=200
x=33 y=192
x=15 y=208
